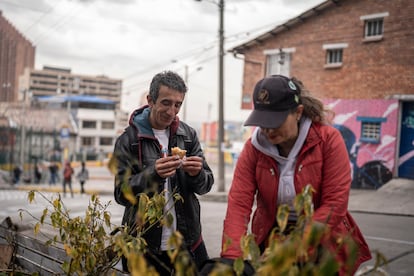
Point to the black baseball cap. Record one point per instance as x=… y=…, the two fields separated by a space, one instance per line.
x=273 y=98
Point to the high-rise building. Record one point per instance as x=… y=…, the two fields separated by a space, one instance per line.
x=16 y=54
x=52 y=81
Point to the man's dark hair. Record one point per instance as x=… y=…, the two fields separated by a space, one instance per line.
x=167 y=78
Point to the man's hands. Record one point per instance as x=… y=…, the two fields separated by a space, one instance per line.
x=192 y=165
x=166 y=166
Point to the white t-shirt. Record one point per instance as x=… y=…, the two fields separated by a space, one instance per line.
x=162 y=136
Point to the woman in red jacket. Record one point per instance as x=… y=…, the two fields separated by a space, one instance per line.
x=292 y=146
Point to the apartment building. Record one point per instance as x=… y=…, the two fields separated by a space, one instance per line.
x=52 y=81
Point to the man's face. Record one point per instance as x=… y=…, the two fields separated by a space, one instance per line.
x=166 y=108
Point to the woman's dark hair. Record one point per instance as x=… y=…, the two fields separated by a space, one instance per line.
x=313 y=108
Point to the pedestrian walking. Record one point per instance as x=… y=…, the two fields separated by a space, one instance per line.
x=37 y=173
x=17 y=172
x=53 y=171
x=67 y=178
x=82 y=176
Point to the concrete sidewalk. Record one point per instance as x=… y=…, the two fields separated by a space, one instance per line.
x=394 y=198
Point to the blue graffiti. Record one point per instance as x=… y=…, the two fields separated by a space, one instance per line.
x=373 y=174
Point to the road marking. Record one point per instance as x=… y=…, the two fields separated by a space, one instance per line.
x=389 y=240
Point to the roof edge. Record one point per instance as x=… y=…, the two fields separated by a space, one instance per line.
x=283 y=27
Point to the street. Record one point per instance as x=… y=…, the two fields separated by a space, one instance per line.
x=390 y=235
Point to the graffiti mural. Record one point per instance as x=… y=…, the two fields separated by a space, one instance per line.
x=372 y=163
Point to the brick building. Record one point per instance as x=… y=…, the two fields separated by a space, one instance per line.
x=340 y=49
x=16 y=53
x=358 y=57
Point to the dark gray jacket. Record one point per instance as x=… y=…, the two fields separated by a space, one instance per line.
x=136 y=150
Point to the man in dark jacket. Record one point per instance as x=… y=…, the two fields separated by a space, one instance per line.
x=144 y=152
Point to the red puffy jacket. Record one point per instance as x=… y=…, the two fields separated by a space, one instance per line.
x=322 y=162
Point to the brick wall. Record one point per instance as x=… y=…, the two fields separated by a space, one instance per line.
x=371 y=70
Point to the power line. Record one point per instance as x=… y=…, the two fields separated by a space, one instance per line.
x=59 y=23
x=43 y=16
x=152 y=68
x=21 y=6
x=143 y=83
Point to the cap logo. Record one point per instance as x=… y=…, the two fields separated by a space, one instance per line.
x=296 y=99
x=292 y=85
x=263 y=96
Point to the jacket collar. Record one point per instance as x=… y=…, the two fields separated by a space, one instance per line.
x=314 y=136
x=139 y=119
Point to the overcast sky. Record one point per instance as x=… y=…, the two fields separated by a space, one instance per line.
x=134 y=39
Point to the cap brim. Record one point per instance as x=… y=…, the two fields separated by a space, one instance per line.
x=266 y=119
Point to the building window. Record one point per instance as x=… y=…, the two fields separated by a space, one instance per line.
x=278 y=61
x=88 y=124
x=373 y=26
x=108 y=125
x=371 y=129
x=105 y=141
x=334 y=54
x=87 y=141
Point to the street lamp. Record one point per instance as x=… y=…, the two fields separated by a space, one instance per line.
x=220 y=139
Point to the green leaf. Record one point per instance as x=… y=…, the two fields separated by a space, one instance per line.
x=107 y=217
x=238 y=266
x=37 y=228
x=178 y=197
x=128 y=194
x=168 y=219
x=42 y=218
x=282 y=217
x=31 y=196
x=113 y=165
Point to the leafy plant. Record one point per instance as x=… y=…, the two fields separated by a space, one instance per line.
x=298 y=249
x=84 y=239
x=91 y=250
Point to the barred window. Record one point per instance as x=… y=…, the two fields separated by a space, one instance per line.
x=371 y=129
x=374 y=27
x=334 y=56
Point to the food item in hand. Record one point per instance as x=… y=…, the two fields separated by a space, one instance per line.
x=177 y=151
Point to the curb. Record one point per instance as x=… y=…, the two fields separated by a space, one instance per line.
x=380 y=213
x=211 y=197
x=216 y=197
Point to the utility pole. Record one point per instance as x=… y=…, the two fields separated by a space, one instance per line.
x=220 y=138
x=221 y=168
x=185 y=100
x=23 y=130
